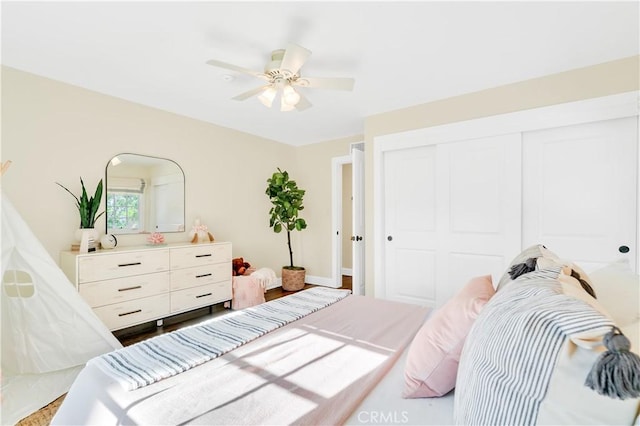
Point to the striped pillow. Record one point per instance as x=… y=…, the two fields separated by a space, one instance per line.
x=527 y=355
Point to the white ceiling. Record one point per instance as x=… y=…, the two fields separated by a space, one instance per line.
x=400 y=53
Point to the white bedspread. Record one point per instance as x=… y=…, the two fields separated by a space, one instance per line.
x=315 y=371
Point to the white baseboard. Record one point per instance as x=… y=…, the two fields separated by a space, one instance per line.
x=276 y=284
x=347 y=271
x=324 y=281
x=309 y=279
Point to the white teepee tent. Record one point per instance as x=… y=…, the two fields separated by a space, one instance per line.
x=48 y=331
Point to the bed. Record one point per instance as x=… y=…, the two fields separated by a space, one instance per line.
x=318 y=369
x=481 y=358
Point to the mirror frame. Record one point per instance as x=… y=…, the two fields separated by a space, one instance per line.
x=145 y=230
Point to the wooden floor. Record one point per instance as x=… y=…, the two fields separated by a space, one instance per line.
x=132 y=335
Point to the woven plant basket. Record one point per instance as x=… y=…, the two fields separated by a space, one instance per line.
x=293 y=279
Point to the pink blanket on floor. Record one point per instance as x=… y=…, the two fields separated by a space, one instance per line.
x=247 y=291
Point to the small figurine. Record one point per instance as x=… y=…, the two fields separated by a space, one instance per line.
x=200 y=233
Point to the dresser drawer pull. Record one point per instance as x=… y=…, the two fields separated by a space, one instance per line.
x=203 y=275
x=204 y=295
x=129 y=313
x=129 y=264
x=204 y=255
x=130 y=288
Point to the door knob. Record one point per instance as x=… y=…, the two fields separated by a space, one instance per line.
x=389 y=238
x=623 y=249
x=358 y=238
x=353 y=238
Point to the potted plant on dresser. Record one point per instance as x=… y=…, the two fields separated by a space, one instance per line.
x=88 y=210
x=286 y=198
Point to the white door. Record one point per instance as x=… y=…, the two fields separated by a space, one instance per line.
x=580 y=191
x=410 y=225
x=479 y=212
x=357 y=182
x=451 y=212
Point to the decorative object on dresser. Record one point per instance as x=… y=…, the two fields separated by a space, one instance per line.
x=286 y=198
x=133 y=285
x=155 y=239
x=108 y=241
x=200 y=233
x=88 y=210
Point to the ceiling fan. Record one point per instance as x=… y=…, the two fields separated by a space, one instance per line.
x=282 y=75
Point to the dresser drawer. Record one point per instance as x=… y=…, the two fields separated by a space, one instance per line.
x=193 y=277
x=195 y=297
x=118 y=265
x=199 y=255
x=99 y=293
x=121 y=315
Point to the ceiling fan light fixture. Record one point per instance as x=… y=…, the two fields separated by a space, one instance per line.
x=267 y=96
x=284 y=106
x=290 y=96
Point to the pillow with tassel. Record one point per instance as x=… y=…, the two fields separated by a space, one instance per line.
x=543 y=351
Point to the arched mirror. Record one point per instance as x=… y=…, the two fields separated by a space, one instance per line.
x=144 y=194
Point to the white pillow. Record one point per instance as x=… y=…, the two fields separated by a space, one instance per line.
x=618 y=291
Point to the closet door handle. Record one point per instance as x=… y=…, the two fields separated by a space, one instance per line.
x=623 y=249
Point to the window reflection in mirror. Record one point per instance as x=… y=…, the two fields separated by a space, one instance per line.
x=144 y=194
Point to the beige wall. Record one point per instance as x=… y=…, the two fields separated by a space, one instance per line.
x=54 y=132
x=313 y=173
x=599 y=80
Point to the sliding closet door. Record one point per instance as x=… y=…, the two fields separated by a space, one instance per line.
x=480 y=219
x=580 y=191
x=452 y=212
x=410 y=225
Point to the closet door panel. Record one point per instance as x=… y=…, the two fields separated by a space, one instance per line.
x=479 y=231
x=452 y=212
x=580 y=191
x=410 y=225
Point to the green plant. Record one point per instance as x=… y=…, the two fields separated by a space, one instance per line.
x=87 y=207
x=286 y=198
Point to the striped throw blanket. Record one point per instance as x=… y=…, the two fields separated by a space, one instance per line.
x=169 y=354
x=511 y=354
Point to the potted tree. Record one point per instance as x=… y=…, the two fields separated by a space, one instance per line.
x=286 y=198
x=88 y=210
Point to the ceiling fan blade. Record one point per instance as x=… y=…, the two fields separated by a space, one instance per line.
x=250 y=93
x=303 y=103
x=326 y=83
x=232 y=67
x=294 y=57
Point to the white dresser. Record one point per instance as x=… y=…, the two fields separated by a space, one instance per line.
x=131 y=285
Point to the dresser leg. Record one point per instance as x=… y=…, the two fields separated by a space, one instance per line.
x=159 y=323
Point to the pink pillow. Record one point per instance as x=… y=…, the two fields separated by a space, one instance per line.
x=432 y=361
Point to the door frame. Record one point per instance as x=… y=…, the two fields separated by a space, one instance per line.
x=336 y=218
x=589 y=110
x=336 y=214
